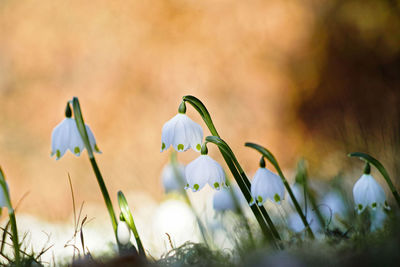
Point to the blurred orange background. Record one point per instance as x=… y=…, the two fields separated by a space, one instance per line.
x=271 y=72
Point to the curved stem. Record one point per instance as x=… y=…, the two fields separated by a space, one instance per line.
x=105 y=194
x=271 y=158
x=80 y=123
x=244 y=184
x=381 y=169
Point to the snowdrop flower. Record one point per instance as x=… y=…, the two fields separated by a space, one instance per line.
x=367 y=192
x=204 y=170
x=266 y=185
x=66 y=136
x=223 y=199
x=123 y=233
x=181 y=132
x=173 y=177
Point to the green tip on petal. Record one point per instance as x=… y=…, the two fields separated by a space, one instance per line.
x=259 y=199
x=77 y=150
x=96 y=148
x=58 y=153
x=216 y=185
x=373 y=205
x=196 y=187
x=360 y=207
x=198 y=147
x=277 y=198
x=180 y=147
x=163 y=146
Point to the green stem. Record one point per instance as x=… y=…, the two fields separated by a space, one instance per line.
x=15 y=238
x=105 y=194
x=260 y=213
x=127 y=214
x=381 y=169
x=80 y=123
x=271 y=158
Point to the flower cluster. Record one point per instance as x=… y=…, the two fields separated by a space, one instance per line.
x=182 y=133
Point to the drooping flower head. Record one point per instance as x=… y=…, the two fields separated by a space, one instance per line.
x=173 y=177
x=181 y=132
x=368 y=193
x=204 y=170
x=66 y=136
x=266 y=185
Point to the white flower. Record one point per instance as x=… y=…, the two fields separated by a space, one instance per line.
x=123 y=233
x=182 y=133
x=223 y=199
x=367 y=192
x=66 y=136
x=204 y=170
x=266 y=185
x=173 y=177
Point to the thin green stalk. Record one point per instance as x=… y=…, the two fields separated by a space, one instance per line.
x=127 y=214
x=105 y=194
x=381 y=169
x=244 y=184
x=82 y=131
x=271 y=158
x=14 y=230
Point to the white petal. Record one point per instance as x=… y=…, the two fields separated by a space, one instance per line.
x=367 y=192
x=182 y=133
x=195 y=136
x=76 y=144
x=196 y=175
x=180 y=141
x=267 y=185
x=204 y=170
x=60 y=138
x=123 y=233
x=167 y=134
x=92 y=140
x=216 y=174
x=223 y=200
